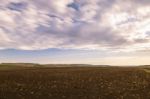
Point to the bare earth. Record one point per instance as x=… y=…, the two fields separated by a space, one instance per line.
x=74 y=82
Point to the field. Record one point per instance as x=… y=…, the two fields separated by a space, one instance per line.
x=19 y=82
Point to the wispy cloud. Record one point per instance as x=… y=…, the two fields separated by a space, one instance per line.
x=75 y=24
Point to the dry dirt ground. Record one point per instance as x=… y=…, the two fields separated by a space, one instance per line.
x=74 y=82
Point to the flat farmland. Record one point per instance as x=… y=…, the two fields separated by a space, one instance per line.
x=74 y=82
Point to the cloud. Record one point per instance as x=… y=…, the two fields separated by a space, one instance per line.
x=75 y=24
x=19 y=6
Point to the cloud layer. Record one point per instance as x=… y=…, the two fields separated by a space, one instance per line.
x=75 y=24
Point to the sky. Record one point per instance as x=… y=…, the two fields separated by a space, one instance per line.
x=105 y=32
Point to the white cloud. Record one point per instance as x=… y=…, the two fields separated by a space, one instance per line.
x=87 y=24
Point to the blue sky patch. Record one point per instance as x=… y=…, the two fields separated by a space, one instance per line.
x=17 y=6
x=75 y=6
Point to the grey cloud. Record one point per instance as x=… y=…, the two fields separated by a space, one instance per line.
x=42 y=24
